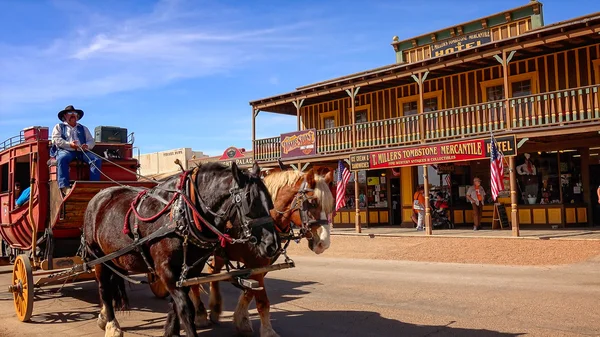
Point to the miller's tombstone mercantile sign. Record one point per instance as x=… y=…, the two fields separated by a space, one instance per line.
x=455 y=44
x=439 y=153
x=299 y=143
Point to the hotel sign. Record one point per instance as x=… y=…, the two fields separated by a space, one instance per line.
x=455 y=44
x=299 y=143
x=441 y=153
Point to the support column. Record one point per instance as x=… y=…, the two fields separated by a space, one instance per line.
x=254 y=115
x=420 y=79
x=352 y=93
x=356 y=203
x=504 y=61
x=428 y=227
x=514 y=215
x=298 y=105
x=585 y=182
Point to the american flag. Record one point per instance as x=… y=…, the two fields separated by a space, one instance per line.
x=343 y=175
x=449 y=182
x=497 y=170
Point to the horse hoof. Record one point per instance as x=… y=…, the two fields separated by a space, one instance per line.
x=268 y=332
x=113 y=330
x=102 y=321
x=214 y=317
x=244 y=326
x=201 y=320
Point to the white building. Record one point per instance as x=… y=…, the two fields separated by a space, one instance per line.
x=162 y=164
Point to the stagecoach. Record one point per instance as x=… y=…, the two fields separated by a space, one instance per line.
x=42 y=237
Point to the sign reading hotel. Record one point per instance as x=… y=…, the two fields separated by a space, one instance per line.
x=455 y=44
x=299 y=143
x=441 y=153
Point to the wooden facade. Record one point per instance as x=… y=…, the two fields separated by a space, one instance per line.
x=548 y=88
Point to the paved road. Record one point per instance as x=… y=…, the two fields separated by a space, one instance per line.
x=344 y=297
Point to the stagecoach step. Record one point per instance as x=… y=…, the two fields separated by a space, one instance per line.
x=248 y=283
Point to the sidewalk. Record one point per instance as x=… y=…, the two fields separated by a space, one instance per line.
x=587 y=233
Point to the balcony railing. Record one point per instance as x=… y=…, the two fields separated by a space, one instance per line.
x=564 y=107
x=12 y=141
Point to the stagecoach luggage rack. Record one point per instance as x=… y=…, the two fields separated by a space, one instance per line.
x=110 y=134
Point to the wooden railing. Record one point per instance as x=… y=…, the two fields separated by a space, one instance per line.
x=465 y=121
x=333 y=140
x=564 y=107
x=556 y=108
x=400 y=130
x=267 y=149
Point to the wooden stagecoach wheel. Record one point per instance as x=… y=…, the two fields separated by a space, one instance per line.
x=157 y=287
x=22 y=288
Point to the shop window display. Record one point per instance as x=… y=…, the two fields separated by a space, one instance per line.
x=377 y=189
x=538 y=178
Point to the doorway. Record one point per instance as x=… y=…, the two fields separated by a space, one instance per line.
x=395 y=201
x=594 y=183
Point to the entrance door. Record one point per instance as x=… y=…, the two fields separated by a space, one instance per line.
x=395 y=202
x=594 y=183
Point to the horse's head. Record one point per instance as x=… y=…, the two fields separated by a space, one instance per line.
x=248 y=202
x=306 y=201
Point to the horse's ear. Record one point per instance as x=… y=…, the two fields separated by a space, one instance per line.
x=329 y=177
x=281 y=165
x=310 y=178
x=238 y=175
x=255 y=170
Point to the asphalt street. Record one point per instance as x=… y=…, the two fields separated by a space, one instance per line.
x=350 y=297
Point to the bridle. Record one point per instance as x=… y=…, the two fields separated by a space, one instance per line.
x=301 y=203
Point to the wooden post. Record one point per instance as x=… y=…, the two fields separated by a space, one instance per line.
x=298 y=105
x=585 y=182
x=352 y=93
x=514 y=215
x=504 y=61
x=428 y=229
x=254 y=114
x=356 y=203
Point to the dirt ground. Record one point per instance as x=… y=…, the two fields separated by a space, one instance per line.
x=501 y=251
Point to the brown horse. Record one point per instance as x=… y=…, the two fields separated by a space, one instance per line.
x=186 y=217
x=302 y=199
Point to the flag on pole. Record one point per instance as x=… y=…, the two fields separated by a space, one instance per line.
x=497 y=170
x=343 y=175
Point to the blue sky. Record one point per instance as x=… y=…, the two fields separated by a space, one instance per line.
x=181 y=73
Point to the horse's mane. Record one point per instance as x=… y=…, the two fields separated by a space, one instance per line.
x=277 y=180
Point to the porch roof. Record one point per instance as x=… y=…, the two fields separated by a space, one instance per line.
x=554 y=37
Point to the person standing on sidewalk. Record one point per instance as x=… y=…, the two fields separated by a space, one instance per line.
x=419 y=206
x=476 y=195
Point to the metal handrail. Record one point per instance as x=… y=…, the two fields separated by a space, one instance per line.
x=12 y=141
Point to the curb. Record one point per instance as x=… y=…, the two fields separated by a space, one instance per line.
x=567 y=236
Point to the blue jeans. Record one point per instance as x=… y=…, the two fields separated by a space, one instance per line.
x=65 y=157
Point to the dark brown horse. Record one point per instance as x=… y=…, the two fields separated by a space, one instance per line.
x=302 y=199
x=191 y=215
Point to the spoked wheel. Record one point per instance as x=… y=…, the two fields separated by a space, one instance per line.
x=157 y=287
x=22 y=287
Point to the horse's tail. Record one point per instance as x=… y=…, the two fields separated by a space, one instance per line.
x=121 y=301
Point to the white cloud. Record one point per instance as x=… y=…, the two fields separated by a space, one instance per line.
x=110 y=54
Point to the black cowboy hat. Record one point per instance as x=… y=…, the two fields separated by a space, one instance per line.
x=70 y=108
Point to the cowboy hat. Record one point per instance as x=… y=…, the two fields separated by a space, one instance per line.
x=70 y=108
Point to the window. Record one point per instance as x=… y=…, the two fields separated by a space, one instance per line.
x=329 y=119
x=519 y=85
x=362 y=113
x=4 y=178
x=521 y=88
x=432 y=101
x=495 y=93
x=361 y=116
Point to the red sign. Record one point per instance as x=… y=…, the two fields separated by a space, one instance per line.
x=232 y=153
x=429 y=154
x=299 y=143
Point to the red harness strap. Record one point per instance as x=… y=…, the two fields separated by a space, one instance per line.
x=224 y=239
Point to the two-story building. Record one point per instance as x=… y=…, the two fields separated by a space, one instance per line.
x=429 y=117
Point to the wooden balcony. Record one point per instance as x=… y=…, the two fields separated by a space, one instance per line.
x=552 y=109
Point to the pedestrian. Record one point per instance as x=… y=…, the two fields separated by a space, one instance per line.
x=476 y=196
x=419 y=207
